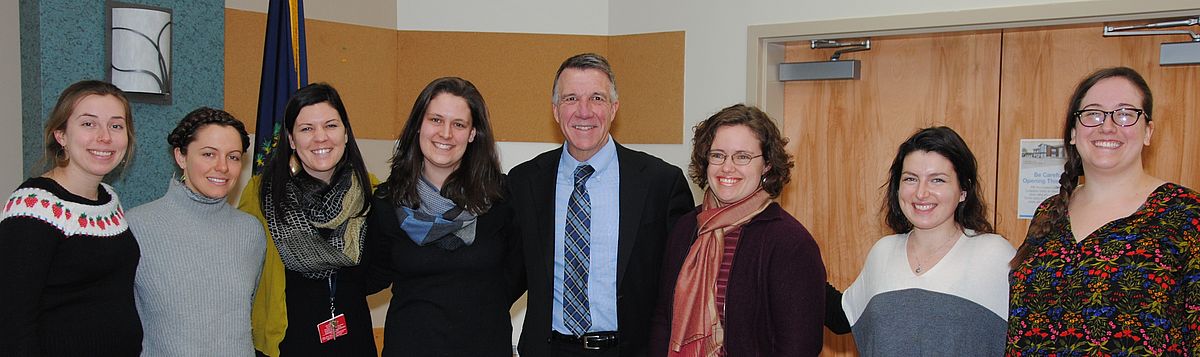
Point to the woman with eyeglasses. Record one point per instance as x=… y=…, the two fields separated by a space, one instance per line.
x=740 y=276
x=1111 y=266
x=938 y=286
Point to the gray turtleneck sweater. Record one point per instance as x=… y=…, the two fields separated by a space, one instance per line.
x=201 y=259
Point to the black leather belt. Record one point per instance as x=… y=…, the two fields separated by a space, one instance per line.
x=589 y=341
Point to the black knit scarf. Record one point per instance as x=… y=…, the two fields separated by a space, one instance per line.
x=309 y=206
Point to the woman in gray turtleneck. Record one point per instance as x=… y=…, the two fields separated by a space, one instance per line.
x=201 y=257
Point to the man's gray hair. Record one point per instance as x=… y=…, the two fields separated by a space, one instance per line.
x=585 y=61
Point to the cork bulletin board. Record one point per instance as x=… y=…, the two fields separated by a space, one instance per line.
x=379 y=73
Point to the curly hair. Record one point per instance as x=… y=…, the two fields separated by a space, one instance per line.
x=1073 y=168
x=779 y=162
x=971 y=213
x=185 y=132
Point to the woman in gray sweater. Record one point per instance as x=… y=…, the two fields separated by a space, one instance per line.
x=201 y=257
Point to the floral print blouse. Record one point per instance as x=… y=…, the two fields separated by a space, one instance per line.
x=1131 y=288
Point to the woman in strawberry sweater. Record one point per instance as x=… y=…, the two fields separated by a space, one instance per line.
x=67 y=254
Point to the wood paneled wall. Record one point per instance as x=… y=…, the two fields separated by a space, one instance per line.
x=357 y=60
x=379 y=73
x=994 y=88
x=1041 y=68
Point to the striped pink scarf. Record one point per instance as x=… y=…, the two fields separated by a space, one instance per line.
x=696 y=329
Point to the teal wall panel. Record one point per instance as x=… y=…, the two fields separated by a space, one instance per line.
x=62 y=42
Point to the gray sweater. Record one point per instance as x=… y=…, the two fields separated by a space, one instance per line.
x=201 y=260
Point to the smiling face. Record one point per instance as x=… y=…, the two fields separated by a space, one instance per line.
x=95 y=137
x=446 y=130
x=213 y=161
x=585 y=110
x=929 y=191
x=319 y=139
x=729 y=181
x=1109 y=147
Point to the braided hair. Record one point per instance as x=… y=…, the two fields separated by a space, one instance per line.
x=1056 y=207
x=185 y=132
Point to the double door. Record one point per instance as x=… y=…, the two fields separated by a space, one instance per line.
x=994 y=88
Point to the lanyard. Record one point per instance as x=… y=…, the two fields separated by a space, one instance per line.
x=335 y=326
x=332 y=279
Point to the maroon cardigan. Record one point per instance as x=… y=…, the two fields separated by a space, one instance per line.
x=775 y=300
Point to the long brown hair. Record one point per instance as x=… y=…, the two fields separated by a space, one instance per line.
x=1056 y=206
x=476 y=184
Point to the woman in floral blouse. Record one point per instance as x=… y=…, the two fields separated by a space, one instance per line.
x=1111 y=266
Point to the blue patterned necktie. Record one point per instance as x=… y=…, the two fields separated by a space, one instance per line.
x=577 y=255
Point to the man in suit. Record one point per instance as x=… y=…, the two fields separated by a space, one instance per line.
x=593 y=217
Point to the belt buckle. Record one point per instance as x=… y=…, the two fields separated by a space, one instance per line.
x=587 y=342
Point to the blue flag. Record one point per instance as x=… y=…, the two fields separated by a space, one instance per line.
x=284 y=70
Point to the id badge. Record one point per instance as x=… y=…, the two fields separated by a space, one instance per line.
x=332 y=328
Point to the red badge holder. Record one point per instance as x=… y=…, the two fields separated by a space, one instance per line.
x=335 y=326
x=332 y=328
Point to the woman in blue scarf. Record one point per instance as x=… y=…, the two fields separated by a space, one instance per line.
x=440 y=231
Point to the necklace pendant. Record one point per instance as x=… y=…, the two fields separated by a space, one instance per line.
x=918 y=271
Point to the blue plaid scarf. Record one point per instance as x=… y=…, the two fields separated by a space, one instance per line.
x=438 y=221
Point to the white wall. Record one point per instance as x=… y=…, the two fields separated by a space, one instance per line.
x=530 y=16
x=374 y=13
x=10 y=97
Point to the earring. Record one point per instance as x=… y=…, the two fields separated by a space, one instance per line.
x=294 y=165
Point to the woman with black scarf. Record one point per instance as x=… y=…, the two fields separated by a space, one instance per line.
x=312 y=197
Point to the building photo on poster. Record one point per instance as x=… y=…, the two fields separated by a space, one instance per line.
x=1041 y=165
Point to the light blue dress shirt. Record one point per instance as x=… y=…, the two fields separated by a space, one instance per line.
x=604 y=194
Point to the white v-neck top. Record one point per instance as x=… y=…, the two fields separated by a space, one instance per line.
x=953 y=307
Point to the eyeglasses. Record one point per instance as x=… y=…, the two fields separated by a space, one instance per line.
x=740 y=158
x=1095 y=117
